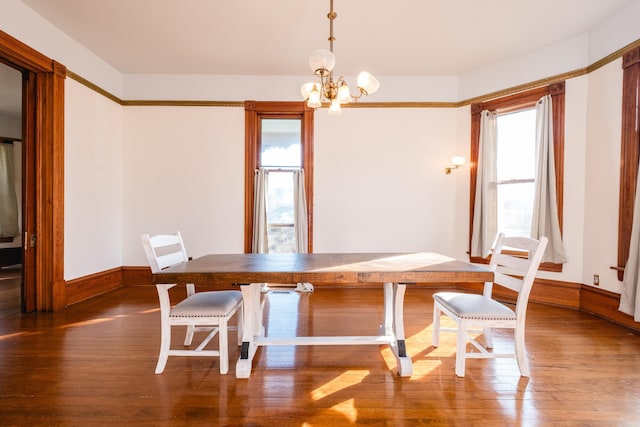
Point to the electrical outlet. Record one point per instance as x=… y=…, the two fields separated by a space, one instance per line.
x=596 y=280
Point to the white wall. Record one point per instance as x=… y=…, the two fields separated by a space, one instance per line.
x=183 y=170
x=602 y=175
x=380 y=182
x=573 y=203
x=93 y=182
x=280 y=88
x=379 y=178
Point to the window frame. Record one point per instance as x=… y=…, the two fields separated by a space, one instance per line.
x=629 y=154
x=513 y=103
x=255 y=111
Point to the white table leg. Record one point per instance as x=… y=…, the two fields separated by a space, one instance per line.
x=386 y=328
x=252 y=327
x=405 y=368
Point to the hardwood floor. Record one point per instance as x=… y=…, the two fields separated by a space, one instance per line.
x=10 y=302
x=93 y=364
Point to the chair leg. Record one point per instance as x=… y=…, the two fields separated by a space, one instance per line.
x=435 y=333
x=189 y=336
x=461 y=349
x=488 y=338
x=521 y=354
x=223 y=341
x=165 y=345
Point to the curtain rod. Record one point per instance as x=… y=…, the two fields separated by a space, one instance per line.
x=7 y=140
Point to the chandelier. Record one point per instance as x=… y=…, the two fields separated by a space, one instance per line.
x=325 y=89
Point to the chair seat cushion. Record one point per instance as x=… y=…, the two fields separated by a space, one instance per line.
x=207 y=304
x=473 y=306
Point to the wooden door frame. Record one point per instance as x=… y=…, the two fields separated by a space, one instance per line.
x=43 y=174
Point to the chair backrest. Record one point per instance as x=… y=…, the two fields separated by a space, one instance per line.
x=164 y=250
x=512 y=270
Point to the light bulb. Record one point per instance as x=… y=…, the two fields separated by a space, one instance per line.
x=334 y=109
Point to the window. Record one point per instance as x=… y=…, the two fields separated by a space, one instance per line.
x=279 y=138
x=280 y=153
x=516 y=171
x=516 y=159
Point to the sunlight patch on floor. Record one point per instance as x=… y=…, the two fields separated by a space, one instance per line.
x=18 y=334
x=87 y=322
x=347 y=409
x=345 y=380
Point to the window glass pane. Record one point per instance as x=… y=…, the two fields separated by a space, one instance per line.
x=280 y=143
x=516 y=145
x=280 y=212
x=515 y=207
x=280 y=197
x=280 y=149
x=516 y=162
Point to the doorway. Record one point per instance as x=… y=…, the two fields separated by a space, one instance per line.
x=43 y=174
x=11 y=251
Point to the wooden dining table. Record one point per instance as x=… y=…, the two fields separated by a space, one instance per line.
x=392 y=271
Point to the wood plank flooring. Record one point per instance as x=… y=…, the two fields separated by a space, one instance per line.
x=93 y=365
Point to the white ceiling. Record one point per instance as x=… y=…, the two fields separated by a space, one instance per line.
x=275 y=37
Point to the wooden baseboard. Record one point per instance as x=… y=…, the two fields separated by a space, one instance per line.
x=602 y=303
x=86 y=287
x=544 y=291
x=136 y=276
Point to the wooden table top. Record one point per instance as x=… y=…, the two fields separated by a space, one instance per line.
x=352 y=268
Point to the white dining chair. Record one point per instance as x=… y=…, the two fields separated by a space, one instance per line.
x=474 y=313
x=200 y=311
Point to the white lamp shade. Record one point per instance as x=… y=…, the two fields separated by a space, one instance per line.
x=368 y=83
x=344 y=95
x=306 y=89
x=314 y=98
x=457 y=160
x=322 y=59
x=334 y=108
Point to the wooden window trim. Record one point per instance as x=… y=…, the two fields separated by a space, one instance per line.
x=254 y=112
x=629 y=153
x=512 y=103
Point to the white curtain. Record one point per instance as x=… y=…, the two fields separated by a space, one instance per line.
x=630 y=297
x=301 y=229
x=300 y=212
x=8 y=201
x=545 y=207
x=260 y=242
x=485 y=211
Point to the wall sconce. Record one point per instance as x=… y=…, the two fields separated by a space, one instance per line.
x=456 y=162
